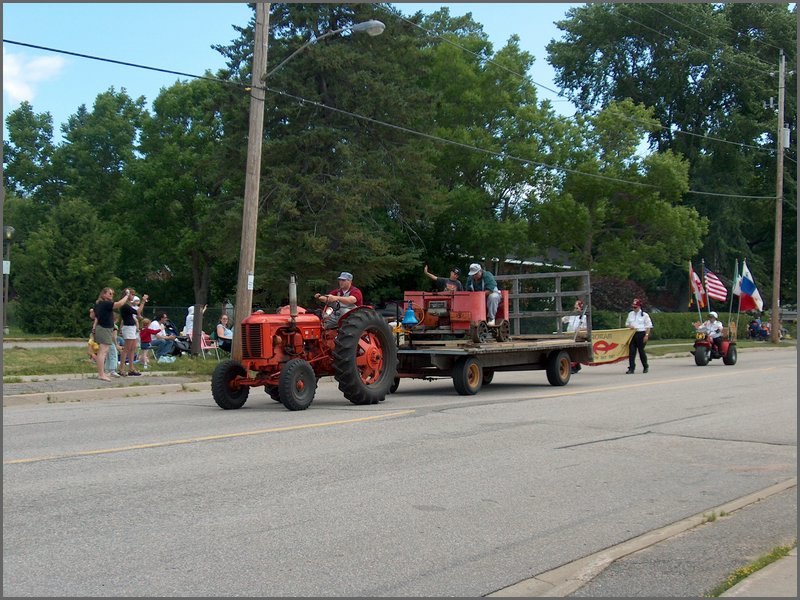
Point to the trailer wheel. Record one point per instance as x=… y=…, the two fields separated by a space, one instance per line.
x=467 y=376
x=273 y=391
x=702 y=355
x=488 y=375
x=365 y=357
x=558 y=368
x=395 y=385
x=228 y=394
x=730 y=358
x=297 y=384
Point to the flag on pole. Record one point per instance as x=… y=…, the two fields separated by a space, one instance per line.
x=714 y=287
x=696 y=287
x=745 y=288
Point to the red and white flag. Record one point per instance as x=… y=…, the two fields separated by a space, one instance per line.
x=696 y=286
x=715 y=288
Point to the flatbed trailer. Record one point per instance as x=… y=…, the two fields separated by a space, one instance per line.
x=472 y=366
x=472 y=360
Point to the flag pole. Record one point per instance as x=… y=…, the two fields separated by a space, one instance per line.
x=694 y=293
x=733 y=287
x=703 y=280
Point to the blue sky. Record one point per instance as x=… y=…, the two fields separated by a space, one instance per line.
x=179 y=36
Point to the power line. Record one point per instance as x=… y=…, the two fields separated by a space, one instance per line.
x=501 y=155
x=120 y=62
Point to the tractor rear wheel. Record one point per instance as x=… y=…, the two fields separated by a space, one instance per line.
x=365 y=357
x=297 y=385
x=227 y=393
x=559 y=368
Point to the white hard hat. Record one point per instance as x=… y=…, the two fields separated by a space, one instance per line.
x=714 y=314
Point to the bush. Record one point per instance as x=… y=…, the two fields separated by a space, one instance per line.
x=666 y=326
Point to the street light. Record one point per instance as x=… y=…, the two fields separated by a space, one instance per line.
x=371 y=28
x=8 y=235
x=247 y=253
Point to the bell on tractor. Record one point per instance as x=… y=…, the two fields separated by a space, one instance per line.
x=409 y=320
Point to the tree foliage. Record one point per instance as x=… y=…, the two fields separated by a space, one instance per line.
x=706 y=70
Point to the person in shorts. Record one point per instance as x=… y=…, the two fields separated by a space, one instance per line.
x=103 y=329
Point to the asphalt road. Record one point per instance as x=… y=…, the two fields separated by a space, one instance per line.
x=426 y=494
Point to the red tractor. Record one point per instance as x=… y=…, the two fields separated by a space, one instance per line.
x=288 y=352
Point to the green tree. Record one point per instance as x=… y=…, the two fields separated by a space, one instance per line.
x=186 y=205
x=613 y=228
x=61 y=269
x=706 y=70
x=28 y=154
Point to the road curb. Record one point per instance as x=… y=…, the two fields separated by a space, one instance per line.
x=104 y=393
x=567 y=579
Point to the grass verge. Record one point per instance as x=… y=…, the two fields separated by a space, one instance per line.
x=18 y=362
x=745 y=572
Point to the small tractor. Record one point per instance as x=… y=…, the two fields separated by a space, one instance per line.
x=287 y=353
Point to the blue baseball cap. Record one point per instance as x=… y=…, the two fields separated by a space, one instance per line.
x=346 y=275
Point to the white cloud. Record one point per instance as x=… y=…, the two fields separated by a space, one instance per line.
x=22 y=74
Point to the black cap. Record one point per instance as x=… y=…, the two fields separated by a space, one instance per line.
x=455 y=270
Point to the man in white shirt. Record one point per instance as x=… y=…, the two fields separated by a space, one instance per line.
x=640 y=322
x=714 y=329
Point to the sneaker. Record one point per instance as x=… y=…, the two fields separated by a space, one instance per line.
x=490 y=323
x=114 y=374
x=146 y=367
x=644 y=370
x=629 y=372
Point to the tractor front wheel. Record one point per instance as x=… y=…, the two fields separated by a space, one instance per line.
x=228 y=394
x=365 y=357
x=297 y=384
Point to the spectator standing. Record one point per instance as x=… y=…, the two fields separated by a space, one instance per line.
x=145 y=337
x=189 y=326
x=224 y=333
x=640 y=322
x=449 y=284
x=130 y=334
x=103 y=329
x=479 y=280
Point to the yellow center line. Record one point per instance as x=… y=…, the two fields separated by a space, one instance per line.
x=207 y=438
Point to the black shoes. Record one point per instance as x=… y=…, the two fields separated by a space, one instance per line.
x=645 y=370
x=630 y=372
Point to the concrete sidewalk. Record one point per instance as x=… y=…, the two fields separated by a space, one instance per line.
x=776 y=580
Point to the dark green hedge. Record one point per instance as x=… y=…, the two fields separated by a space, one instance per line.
x=665 y=325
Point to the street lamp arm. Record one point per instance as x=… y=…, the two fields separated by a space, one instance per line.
x=371 y=28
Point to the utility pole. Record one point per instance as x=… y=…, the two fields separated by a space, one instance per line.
x=247 y=252
x=775 y=332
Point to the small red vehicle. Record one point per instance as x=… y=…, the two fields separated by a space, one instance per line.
x=705 y=351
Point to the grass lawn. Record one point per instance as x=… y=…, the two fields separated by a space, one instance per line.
x=19 y=361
